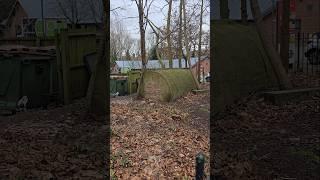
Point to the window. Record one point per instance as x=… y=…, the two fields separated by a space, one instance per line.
x=29 y=27
x=18 y=31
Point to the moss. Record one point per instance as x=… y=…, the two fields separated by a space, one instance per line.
x=241 y=64
x=173 y=83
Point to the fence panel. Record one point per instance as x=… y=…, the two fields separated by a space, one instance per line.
x=72 y=46
x=304 y=59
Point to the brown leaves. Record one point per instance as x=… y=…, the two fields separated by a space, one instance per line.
x=157 y=139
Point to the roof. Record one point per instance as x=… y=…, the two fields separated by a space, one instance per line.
x=6 y=8
x=87 y=11
x=235 y=8
x=154 y=64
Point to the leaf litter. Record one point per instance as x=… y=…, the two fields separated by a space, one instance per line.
x=154 y=140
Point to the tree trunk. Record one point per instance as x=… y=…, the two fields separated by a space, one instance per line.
x=157 y=52
x=186 y=39
x=274 y=57
x=224 y=9
x=199 y=46
x=180 y=34
x=97 y=90
x=284 y=46
x=168 y=34
x=142 y=44
x=244 y=12
x=187 y=46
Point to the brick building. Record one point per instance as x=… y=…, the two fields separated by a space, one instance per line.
x=305 y=15
x=304 y=18
x=204 y=67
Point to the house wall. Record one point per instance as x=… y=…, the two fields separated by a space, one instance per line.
x=310 y=19
x=14 y=22
x=205 y=66
x=309 y=13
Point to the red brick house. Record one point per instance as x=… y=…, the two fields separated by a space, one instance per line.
x=304 y=17
x=204 y=67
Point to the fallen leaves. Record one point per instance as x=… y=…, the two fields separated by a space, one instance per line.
x=57 y=143
x=253 y=140
x=157 y=138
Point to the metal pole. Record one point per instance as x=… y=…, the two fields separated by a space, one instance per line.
x=42 y=17
x=200 y=166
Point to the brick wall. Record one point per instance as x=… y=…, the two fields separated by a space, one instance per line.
x=205 y=66
x=309 y=13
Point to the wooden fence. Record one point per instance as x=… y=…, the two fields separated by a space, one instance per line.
x=28 y=41
x=72 y=46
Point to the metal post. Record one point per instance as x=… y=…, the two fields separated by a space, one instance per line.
x=42 y=17
x=200 y=159
x=298 y=63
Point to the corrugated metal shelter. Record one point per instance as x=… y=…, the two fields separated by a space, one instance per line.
x=126 y=65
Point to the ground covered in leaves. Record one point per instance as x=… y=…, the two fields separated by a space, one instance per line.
x=257 y=140
x=59 y=143
x=152 y=140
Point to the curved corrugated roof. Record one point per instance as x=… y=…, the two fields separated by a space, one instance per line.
x=154 y=64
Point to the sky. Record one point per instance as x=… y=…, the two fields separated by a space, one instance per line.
x=127 y=13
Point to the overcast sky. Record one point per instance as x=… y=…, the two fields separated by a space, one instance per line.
x=128 y=15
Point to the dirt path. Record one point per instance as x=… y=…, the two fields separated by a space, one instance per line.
x=60 y=143
x=158 y=140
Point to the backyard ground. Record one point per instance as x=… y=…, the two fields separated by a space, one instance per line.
x=257 y=140
x=58 y=143
x=149 y=139
x=159 y=140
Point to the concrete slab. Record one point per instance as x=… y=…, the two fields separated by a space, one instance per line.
x=285 y=96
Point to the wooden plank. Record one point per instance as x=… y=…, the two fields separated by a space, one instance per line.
x=65 y=66
x=59 y=66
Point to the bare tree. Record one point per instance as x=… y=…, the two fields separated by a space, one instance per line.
x=169 y=33
x=200 y=36
x=75 y=11
x=143 y=5
x=120 y=39
x=224 y=9
x=180 y=34
x=186 y=38
x=244 y=13
x=284 y=42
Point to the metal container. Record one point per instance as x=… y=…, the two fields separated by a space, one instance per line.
x=30 y=76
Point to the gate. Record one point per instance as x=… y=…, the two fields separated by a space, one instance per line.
x=72 y=46
x=304 y=59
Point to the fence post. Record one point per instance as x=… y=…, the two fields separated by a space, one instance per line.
x=200 y=159
x=298 y=55
x=64 y=50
